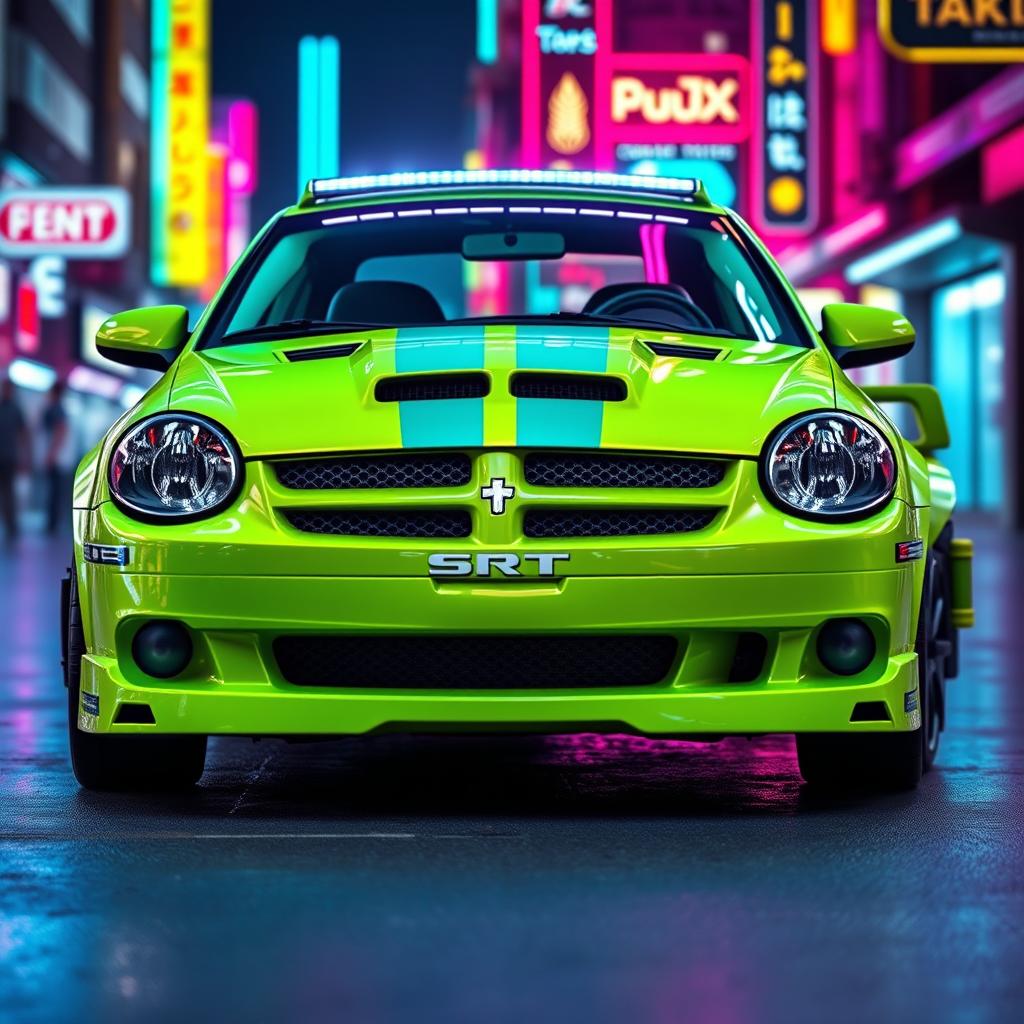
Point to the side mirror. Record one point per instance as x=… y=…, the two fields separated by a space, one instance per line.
x=863 y=335
x=150 y=338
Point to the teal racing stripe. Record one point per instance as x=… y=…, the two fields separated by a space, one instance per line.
x=452 y=422
x=553 y=422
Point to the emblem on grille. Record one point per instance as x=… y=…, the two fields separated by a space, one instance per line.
x=497 y=492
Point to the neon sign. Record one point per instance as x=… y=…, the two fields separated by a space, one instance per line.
x=935 y=31
x=692 y=99
x=180 y=124
x=573 y=40
x=558 y=83
x=785 y=158
x=82 y=223
x=670 y=99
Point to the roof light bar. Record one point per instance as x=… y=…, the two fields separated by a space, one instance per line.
x=320 y=187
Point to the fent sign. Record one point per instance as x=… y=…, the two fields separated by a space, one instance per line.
x=77 y=223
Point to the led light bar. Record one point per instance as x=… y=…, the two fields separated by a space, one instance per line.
x=322 y=187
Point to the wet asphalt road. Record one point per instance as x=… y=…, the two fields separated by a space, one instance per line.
x=564 y=878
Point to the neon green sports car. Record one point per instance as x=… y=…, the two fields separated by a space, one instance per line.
x=485 y=451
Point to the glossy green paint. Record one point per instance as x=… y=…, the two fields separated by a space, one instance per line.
x=150 y=337
x=862 y=335
x=242 y=576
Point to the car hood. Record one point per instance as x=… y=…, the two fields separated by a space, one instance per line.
x=313 y=395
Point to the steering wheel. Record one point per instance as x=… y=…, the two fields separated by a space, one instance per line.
x=658 y=301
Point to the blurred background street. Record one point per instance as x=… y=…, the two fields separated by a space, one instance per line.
x=142 y=143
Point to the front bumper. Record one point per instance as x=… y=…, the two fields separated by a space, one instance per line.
x=234 y=685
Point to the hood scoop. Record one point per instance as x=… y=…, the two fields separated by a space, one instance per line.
x=580 y=387
x=301 y=355
x=432 y=387
x=665 y=348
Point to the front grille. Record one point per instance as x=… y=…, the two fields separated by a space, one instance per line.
x=437 y=387
x=475 y=662
x=376 y=472
x=577 y=387
x=597 y=469
x=625 y=522
x=382 y=522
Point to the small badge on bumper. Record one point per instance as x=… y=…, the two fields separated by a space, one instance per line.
x=909 y=550
x=106 y=554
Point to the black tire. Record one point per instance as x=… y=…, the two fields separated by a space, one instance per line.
x=933 y=629
x=102 y=762
x=876 y=762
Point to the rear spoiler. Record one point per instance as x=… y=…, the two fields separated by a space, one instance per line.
x=932 y=430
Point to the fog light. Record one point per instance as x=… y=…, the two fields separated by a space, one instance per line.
x=845 y=646
x=162 y=649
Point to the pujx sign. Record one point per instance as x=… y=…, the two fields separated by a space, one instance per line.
x=77 y=223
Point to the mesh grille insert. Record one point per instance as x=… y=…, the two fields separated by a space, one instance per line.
x=475 y=662
x=375 y=471
x=622 y=522
x=595 y=469
x=571 y=386
x=437 y=387
x=382 y=522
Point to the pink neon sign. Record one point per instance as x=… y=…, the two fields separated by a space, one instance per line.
x=559 y=44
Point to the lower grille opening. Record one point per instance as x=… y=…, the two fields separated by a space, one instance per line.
x=870 y=711
x=748 y=661
x=134 y=714
x=631 y=522
x=427 y=523
x=475 y=662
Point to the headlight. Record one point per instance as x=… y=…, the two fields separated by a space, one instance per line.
x=829 y=465
x=173 y=466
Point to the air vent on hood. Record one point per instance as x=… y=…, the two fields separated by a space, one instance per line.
x=581 y=387
x=301 y=355
x=434 y=387
x=664 y=348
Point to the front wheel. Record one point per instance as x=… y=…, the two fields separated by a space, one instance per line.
x=895 y=760
x=120 y=762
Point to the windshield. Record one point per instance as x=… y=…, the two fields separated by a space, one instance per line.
x=505 y=260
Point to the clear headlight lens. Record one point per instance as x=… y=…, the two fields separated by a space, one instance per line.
x=829 y=464
x=174 y=465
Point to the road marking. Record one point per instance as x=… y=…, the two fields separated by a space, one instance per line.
x=163 y=836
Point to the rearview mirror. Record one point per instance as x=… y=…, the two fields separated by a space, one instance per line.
x=150 y=337
x=864 y=335
x=514 y=245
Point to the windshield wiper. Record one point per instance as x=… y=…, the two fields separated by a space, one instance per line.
x=294 y=329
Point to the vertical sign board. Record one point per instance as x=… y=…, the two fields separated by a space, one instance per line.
x=180 y=126
x=559 y=45
x=785 y=151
